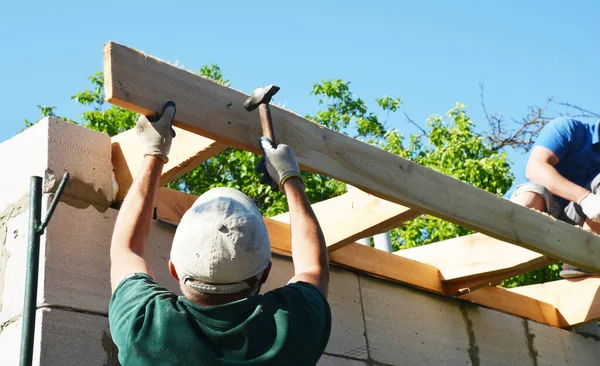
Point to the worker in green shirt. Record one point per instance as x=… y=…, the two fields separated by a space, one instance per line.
x=221 y=256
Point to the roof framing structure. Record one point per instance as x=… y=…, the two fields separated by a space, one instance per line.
x=393 y=190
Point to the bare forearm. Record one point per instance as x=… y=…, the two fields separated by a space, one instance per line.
x=132 y=227
x=546 y=175
x=309 y=250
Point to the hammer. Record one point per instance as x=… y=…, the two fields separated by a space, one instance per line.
x=260 y=98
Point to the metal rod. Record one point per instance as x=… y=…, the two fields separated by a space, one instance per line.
x=36 y=229
x=31 y=279
x=59 y=191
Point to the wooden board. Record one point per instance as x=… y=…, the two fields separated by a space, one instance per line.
x=510 y=302
x=188 y=151
x=577 y=300
x=386 y=265
x=472 y=261
x=143 y=84
x=355 y=215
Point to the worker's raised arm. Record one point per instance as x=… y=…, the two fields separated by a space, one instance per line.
x=309 y=252
x=540 y=169
x=132 y=228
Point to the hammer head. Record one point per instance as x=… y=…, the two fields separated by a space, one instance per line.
x=260 y=96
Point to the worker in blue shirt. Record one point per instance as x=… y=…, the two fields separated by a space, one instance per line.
x=562 y=177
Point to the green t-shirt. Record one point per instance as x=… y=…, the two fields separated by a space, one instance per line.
x=152 y=326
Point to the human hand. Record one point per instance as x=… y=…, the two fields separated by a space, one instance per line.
x=590 y=205
x=156 y=133
x=277 y=165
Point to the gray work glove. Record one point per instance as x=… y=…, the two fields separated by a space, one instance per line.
x=277 y=165
x=590 y=205
x=156 y=133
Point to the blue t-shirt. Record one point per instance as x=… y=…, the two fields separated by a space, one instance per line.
x=577 y=146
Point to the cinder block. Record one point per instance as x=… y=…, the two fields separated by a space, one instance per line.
x=77 y=251
x=496 y=338
x=70 y=338
x=329 y=360
x=50 y=148
x=10 y=343
x=409 y=327
x=13 y=258
x=347 y=325
x=554 y=346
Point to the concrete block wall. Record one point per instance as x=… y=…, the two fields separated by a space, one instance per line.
x=375 y=322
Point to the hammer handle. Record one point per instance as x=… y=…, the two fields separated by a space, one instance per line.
x=266 y=123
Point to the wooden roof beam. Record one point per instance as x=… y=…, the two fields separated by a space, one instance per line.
x=188 y=152
x=143 y=84
x=473 y=261
x=355 y=215
x=577 y=300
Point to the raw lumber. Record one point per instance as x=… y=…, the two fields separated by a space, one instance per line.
x=510 y=302
x=577 y=300
x=386 y=265
x=188 y=151
x=143 y=84
x=472 y=261
x=355 y=215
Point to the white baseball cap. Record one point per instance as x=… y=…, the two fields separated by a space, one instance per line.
x=220 y=242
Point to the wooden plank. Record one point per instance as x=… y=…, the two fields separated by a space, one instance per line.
x=355 y=215
x=143 y=84
x=386 y=265
x=577 y=299
x=472 y=261
x=188 y=151
x=510 y=302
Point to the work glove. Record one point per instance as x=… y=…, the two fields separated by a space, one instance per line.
x=156 y=133
x=590 y=205
x=277 y=165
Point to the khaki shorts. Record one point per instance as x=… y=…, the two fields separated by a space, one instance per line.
x=569 y=212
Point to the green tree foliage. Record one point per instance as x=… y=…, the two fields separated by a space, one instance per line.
x=447 y=144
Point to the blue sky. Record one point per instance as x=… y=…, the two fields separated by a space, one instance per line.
x=430 y=53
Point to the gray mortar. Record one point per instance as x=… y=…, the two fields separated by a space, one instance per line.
x=473 y=348
x=112 y=352
x=9 y=322
x=10 y=212
x=530 y=338
x=78 y=193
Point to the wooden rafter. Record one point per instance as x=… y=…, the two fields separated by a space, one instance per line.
x=355 y=215
x=190 y=151
x=143 y=84
x=577 y=300
x=510 y=302
x=472 y=261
